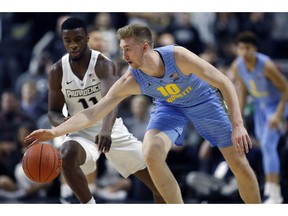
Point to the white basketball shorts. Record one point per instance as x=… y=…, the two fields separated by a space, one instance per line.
x=125 y=152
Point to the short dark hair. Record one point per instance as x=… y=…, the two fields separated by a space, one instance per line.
x=73 y=23
x=247 y=37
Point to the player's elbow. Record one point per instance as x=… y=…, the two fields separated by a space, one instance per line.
x=224 y=84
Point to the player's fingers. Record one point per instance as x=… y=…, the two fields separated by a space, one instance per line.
x=108 y=147
x=249 y=142
x=28 y=139
x=33 y=143
x=241 y=147
x=33 y=136
x=101 y=145
x=105 y=145
x=235 y=144
x=245 y=143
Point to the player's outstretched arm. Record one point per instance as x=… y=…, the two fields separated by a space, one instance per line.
x=123 y=88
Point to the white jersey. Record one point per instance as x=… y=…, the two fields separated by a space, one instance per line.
x=81 y=94
x=126 y=151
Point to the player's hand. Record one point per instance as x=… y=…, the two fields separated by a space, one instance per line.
x=103 y=140
x=40 y=135
x=241 y=140
x=274 y=122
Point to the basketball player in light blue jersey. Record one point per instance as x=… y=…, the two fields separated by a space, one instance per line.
x=181 y=84
x=258 y=76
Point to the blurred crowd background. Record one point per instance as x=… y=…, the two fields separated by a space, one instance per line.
x=31 y=42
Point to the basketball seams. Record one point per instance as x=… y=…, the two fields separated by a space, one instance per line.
x=40 y=162
x=52 y=170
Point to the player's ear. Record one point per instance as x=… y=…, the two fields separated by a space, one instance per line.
x=146 y=47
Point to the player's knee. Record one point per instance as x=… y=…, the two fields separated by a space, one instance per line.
x=153 y=153
x=242 y=167
x=71 y=154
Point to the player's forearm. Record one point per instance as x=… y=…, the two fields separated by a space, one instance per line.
x=281 y=107
x=77 y=122
x=86 y=118
x=230 y=96
x=282 y=104
x=242 y=101
x=109 y=120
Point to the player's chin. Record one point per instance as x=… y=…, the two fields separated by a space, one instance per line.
x=132 y=65
x=75 y=55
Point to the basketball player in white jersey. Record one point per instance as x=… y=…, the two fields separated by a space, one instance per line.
x=80 y=79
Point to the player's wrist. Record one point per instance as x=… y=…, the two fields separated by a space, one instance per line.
x=237 y=124
x=55 y=132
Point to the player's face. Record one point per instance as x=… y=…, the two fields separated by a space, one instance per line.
x=75 y=42
x=246 y=51
x=132 y=51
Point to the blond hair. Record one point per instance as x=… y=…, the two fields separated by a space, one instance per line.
x=140 y=32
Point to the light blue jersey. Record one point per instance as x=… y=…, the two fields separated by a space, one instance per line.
x=265 y=101
x=179 y=98
x=265 y=95
x=259 y=87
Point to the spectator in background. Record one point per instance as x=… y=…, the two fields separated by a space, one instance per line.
x=10 y=65
x=185 y=33
x=97 y=40
x=158 y=22
x=8 y=147
x=164 y=38
x=51 y=42
x=38 y=71
x=30 y=103
x=225 y=29
x=261 y=24
x=11 y=117
x=140 y=108
x=204 y=22
x=9 y=70
x=279 y=36
x=103 y=22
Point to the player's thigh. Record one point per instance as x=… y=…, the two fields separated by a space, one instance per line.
x=212 y=122
x=168 y=120
x=91 y=153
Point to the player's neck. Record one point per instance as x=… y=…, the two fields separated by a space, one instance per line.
x=153 y=65
x=251 y=63
x=79 y=67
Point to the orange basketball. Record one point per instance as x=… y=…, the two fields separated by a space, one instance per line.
x=42 y=163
